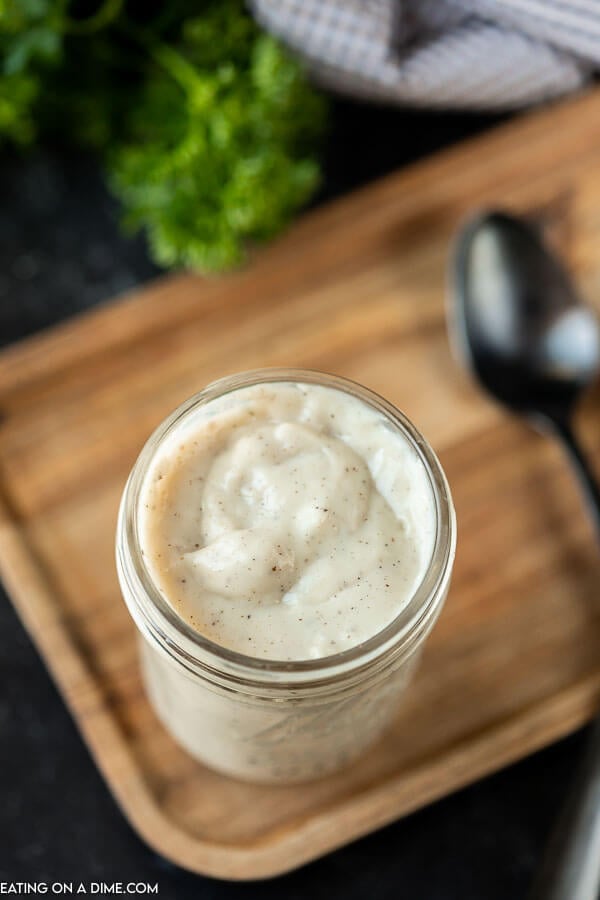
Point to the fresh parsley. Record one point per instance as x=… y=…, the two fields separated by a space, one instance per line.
x=208 y=128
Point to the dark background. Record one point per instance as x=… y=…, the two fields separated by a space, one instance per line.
x=61 y=252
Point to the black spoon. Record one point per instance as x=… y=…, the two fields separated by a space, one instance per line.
x=535 y=347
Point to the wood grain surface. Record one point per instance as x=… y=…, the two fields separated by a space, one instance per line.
x=357 y=289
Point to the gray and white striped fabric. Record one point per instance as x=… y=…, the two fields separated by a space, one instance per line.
x=477 y=54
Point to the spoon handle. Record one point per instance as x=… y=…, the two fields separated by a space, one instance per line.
x=571 y=868
x=587 y=479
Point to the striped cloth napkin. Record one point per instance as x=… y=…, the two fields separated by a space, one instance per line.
x=478 y=54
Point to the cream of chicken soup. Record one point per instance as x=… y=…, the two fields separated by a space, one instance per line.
x=287 y=521
x=285 y=544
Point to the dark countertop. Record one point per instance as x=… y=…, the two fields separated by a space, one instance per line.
x=61 y=252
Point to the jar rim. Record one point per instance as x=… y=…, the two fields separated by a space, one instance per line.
x=159 y=621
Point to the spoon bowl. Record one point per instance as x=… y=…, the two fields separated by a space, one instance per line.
x=527 y=336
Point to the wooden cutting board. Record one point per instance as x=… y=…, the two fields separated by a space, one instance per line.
x=357 y=289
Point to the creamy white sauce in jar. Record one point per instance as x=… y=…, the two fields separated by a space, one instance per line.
x=287 y=521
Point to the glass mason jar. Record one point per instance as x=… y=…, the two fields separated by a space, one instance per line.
x=260 y=719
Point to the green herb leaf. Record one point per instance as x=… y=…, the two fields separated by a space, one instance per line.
x=208 y=127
